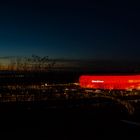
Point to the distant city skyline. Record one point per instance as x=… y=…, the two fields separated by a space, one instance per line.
x=97 y=66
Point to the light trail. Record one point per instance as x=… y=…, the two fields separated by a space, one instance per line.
x=131 y=122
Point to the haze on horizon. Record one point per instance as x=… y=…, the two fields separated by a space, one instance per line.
x=74 y=65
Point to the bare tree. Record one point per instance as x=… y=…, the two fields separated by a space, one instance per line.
x=34 y=62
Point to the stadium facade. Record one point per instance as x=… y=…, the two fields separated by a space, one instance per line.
x=115 y=82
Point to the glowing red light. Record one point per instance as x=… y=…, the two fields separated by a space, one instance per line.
x=110 y=82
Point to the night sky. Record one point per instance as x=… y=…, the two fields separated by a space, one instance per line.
x=70 y=29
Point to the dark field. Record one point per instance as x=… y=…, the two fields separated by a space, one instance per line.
x=76 y=122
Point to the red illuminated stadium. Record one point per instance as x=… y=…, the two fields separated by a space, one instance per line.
x=110 y=82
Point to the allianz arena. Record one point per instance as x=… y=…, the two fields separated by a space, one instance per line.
x=115 y=82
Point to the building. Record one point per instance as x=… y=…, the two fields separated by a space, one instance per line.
x=115 y=82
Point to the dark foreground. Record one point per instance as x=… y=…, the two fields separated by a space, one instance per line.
x=76 y=119
x=18 y=121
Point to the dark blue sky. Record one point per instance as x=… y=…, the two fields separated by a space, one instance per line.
x=81 y=30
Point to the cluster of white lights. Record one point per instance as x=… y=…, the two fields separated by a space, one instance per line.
x=97 y=81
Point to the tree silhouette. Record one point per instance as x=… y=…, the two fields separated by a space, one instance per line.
x=34 y=63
